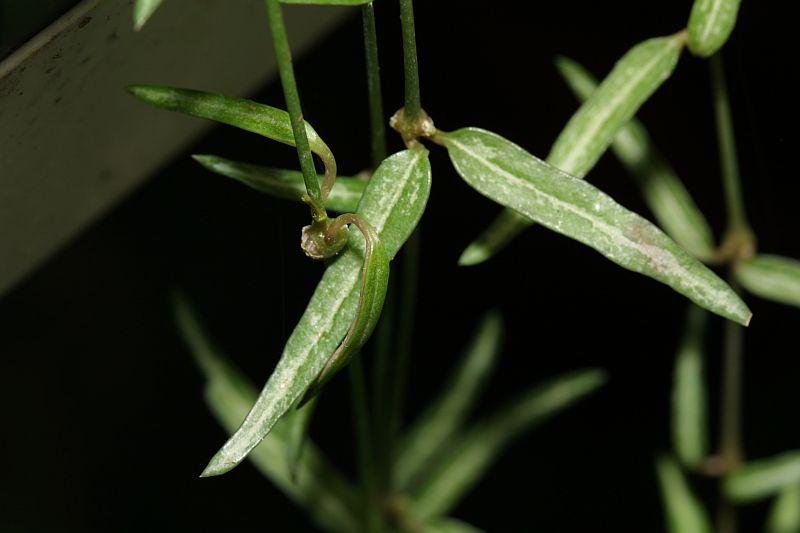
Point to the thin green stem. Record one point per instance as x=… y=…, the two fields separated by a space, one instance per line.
x=730 y=438
x=364 y=444
x=286 y=70
x=737 y=218
x=413 y=105
x=376 y=116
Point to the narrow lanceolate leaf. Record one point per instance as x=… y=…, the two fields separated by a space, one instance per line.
x=316 y=485
x=784 y=517
x=684 y=513
x=466 y=457
x=142 y=11
x=763 y=478
x=447 y=413
x=689 y=424
x=285 y=184
x=710 y=25
x=772 y=277
x=261 y=119
x=392 y=203
x=591 y=129
x=666 y=196
x=507 y=174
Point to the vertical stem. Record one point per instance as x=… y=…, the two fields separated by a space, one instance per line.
x=730 y=438
x=412 y=104
x=377 y=127
x=364 y=444
x=285 y=69
x=737 y=218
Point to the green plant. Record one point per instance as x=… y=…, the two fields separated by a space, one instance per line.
x=411 y=481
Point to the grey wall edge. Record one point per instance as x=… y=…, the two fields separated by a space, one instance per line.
x=73 y=143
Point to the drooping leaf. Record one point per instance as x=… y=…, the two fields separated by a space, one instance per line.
x=449 y=525
x=684 y=513
x=763 y=478
x=142 y=11
x=710 y=24
x=784 y=516
x=392 y=203
x=772 y=277
x=374 y=282
x=316 y=485
x=689 y=423
x=298 y=424
x=589 y=132
x=467 y=456
x=665 y=194
x=447 y=413
x=507 y=174
x=261 y=119
x=286 y=184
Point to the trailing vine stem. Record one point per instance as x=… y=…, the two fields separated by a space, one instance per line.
x=413 y=105
x=315 y=196
x=376 y=116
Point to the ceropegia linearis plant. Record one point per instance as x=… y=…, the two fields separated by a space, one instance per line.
x=411 y=480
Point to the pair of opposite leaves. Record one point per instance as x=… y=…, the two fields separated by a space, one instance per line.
x=498 y=169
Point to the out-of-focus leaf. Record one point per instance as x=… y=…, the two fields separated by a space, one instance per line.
x=507 y=174
x=374 y=282
x=449 y=525
x=683 y=511
x=710 y=24
x=328 y=2
x=286 y=184
x=447 y=413
x=763 y=478
x=663 y=191
x=784 y=517
x=261 y=119
x=392 y=203
x=467 y=456
x=142 y=11
x=689 y=424
x=589 y=132
x=772 y=277
x=316 y=485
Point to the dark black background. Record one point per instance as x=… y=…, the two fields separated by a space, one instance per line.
x=104 y=424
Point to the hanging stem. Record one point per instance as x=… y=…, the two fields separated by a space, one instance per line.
x=740 y=243
x=413 y=106
x=377 y=127
x=285 y=69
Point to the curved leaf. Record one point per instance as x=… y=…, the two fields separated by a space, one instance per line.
x=298 y=424
x=665 y=194
x=261 y=119
x=507 y=174
x=683 y=511
x=392 y=203
x=316 y=485
x=689 y=423
x=142 y=11
x=772 y=277
x=447 y=413
x=710 y=24
x=467 y=457
x=592 y=128
x=784 y=517
x=763 y=478
x=286 y=184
